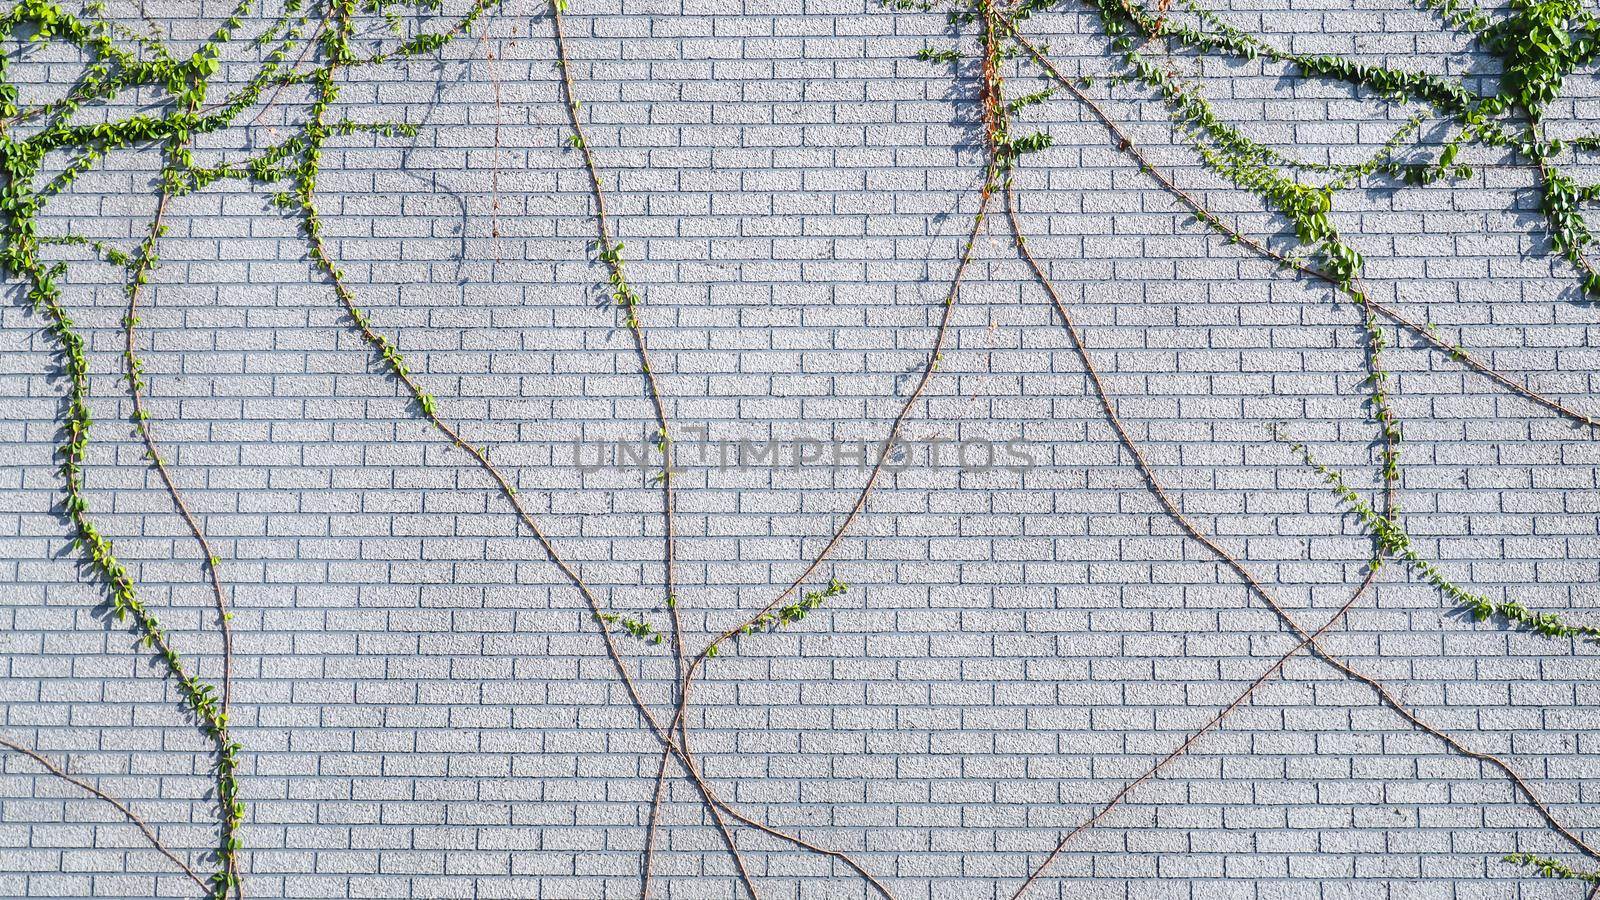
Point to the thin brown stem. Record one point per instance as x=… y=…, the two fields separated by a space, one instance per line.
x=1215 y=721
x=888 y=444
x=324 y=260
x=679 y=717
x=305 y=53
x=1157 y=490
x=147 y=432
x=503 y=484
x=143 y=264
x=610 y=253
x=1125 y=144
x=613 y=259
x=714 y=806
x=807 y=845
x=652 y=824
x=144 y=828
x=990 y=104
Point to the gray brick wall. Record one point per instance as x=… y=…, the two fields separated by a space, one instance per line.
x=425 y=707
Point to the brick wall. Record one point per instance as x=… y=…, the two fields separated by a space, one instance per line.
x=425 y=708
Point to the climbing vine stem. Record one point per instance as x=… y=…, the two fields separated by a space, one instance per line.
x=315 y=46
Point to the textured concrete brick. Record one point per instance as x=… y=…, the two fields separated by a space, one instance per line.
x=425 y=708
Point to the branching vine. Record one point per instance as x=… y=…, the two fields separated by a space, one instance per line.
x=317 y=44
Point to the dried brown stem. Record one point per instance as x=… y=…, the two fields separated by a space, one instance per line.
x=606 y=244
x=679 y=718
x=1216 y=721
x=652 y=824
x=611 y=254
x=679 y=721
x=130 y=815
x=1125 y=144
x=147 y=433
x=1238 y=568
x=324 y=261
x=807 y=845
x=143 y=265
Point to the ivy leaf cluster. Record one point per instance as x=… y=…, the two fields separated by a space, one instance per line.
x=170 y=123
x=788 y=614
x=1395 y=543
x=1546 y=867
x=1541 y=43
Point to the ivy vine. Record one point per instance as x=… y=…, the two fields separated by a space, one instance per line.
x=316 y=44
